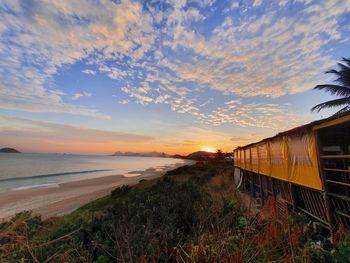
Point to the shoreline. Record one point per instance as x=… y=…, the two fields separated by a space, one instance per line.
x=64 y=198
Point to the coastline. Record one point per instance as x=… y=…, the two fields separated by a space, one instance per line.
x=64 y=198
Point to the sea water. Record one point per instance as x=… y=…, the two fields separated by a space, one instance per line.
x=24 y=171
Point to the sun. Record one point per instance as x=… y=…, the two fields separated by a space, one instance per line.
x=208 y=149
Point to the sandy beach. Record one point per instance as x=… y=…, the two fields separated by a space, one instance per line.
x=66 y=197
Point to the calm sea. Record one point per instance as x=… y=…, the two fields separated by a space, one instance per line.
x=24 y=171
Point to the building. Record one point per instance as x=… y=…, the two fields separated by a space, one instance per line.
x=306 y=169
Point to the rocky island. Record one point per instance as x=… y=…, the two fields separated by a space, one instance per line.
x=9 y=150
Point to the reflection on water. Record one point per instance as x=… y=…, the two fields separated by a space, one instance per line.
x=23 y=171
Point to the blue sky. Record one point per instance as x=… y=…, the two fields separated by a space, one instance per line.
x=163 y=75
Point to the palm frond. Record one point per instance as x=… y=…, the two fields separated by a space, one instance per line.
x=342 y=89
x=343 y=76
x=343 y=110
x=347 y=61
x=334 y=89
x=332 y=104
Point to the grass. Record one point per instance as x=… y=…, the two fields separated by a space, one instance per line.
x=193 y=214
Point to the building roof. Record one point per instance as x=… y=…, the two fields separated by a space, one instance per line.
x=301 y=130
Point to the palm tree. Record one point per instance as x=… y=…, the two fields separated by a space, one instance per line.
x=341 y=90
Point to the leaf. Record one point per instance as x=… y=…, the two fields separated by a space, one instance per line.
x=331 y=104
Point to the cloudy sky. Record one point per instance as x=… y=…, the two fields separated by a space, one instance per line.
x=173 y=75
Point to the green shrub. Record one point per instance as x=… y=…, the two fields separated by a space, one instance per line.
x=101 y=259
x=230 y=205
x=120 y=191
x=143 y=221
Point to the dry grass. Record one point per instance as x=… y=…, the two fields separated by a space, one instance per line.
x=221 y=187
x=144 y=183
x=230 y=228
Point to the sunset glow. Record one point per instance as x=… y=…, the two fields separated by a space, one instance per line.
x=208 y=149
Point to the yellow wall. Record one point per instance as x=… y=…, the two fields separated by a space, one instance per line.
x=278 y=157
x=264 y=158
x=248 y=163
x=302 y=159
x=288 y=158
x=254 y=159
x=237 y=158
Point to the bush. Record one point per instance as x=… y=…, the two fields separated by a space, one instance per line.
x=135 y=223
x=230 y=205
x=120 y=191
x=165 y=223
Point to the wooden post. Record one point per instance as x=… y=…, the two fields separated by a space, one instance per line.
x=251 y=177
x=244 y=174
x=244 y=180
x=273 y=188
x=329 y=210
x=261 y=190
x=292 y=192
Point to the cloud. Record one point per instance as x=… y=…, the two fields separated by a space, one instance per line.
x=37 y=41
x=248 y=138
x=12 y=127
x=27 y=135
x=40 y=100
x=123 y=102
x=207 y=102
x=261 y=115
x=268 y=56
x=239 y=138
x=233 y=6
x=170 y=55
x=190 y=143
x=89 y=71
x=204 y=3
x=79 y=95
x=257 y=3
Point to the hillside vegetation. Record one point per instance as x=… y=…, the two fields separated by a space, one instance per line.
x=193 y=214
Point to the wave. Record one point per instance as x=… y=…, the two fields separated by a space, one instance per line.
x=52 y=175
x=32 y=186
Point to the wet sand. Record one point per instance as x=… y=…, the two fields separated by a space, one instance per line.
x=66 y=197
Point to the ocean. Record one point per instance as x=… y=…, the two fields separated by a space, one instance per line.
x=25 y=171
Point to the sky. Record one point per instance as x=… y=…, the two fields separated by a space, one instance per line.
x=99 y=76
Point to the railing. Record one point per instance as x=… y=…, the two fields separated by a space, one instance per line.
x=306 y=200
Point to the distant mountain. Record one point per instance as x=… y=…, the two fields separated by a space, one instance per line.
x=141 y=154
x=178 y=156
x=9 y=150
x=200 y=155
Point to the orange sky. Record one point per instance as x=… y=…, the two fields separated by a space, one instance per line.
x=52 y=146
x=38 y=136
